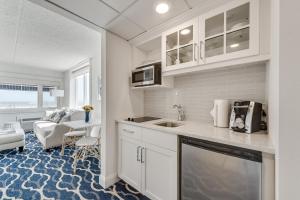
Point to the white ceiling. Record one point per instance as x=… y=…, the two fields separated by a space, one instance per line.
x=126 y=18
x=34 y=36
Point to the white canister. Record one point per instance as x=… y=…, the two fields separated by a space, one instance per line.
x=220 y=113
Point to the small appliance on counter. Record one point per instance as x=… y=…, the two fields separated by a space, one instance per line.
x=246 y=116
x=141 y=119
x=146 y=75
x=221 y=112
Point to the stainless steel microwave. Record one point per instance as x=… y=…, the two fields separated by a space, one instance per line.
x=147 y=75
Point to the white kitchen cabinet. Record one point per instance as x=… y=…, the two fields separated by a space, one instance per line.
x=180 y=46
x=129 y=161
x=159 y=171
x=225 y=33
x=148 y=163
x=230 y=31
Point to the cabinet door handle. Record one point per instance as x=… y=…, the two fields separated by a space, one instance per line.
x=138 y=153
x=128 y=131
x=142 y=157
x=201 y=44
x=195 y=54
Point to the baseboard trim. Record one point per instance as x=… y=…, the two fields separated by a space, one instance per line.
x=107 y=181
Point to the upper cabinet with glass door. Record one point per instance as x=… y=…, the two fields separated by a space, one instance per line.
x=229 y=32
x=179 y=46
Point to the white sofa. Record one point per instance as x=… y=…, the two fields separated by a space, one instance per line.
x=14 y=139
x=50 y=134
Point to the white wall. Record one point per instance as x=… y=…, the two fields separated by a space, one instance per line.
x=95 y=74
x=196 y=92
x=27 y=74
x=273 y=86
x=289 y=98
x=67 y=78
x=121 y=101
x=11 y=73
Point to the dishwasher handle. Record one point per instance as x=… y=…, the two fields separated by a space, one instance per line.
x=223 y=148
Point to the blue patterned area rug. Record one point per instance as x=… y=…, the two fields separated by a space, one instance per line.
x=36 y=174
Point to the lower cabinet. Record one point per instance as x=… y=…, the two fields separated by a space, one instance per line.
x=159 y=173
x=151 y=168
x=129 y=165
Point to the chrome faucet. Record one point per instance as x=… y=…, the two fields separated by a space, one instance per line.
x=180 y=110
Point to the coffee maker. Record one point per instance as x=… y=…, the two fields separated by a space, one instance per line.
x=246 y=116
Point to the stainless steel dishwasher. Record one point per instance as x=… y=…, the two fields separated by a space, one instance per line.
x=214 y=171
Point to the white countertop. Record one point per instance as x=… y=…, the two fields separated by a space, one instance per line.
x=259 y=141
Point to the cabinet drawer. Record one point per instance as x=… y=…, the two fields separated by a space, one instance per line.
x=129 y=131
x=161 y=139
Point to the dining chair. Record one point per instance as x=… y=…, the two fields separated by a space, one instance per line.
x=88 y=146
x=70 y=138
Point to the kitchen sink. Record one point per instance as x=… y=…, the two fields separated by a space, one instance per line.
x=169 y=124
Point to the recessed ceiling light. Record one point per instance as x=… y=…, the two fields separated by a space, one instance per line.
x=162 y=8
x=185 y=31
x=234 y=45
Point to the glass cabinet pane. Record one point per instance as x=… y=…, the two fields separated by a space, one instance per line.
x=186 y=36
x=238 y=17
x=237 y=40
x=214 y=25
x=172 y=57
x=172 y=41
x=214 y=46
x=186 y=54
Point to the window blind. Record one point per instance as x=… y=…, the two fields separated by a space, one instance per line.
x=19 y=87
x=48 y=88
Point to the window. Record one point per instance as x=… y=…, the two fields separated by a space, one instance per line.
x=80 y=84
x=18 y=96
x=82 y=89
x=48 y=100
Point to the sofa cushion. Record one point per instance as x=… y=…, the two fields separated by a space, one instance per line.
x=40 y=121
x=18 y=135
x=44 y=128
x=35 y=123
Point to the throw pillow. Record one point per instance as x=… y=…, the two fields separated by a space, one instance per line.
x=59 y=115
x=55 y=118
x=50 y=117
x=66 y=117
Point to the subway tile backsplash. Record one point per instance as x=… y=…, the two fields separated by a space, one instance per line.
x=196 y=92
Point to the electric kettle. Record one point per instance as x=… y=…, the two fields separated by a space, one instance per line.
x=220 y=113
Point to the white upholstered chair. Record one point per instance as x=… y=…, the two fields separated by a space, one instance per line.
x=12 y=136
